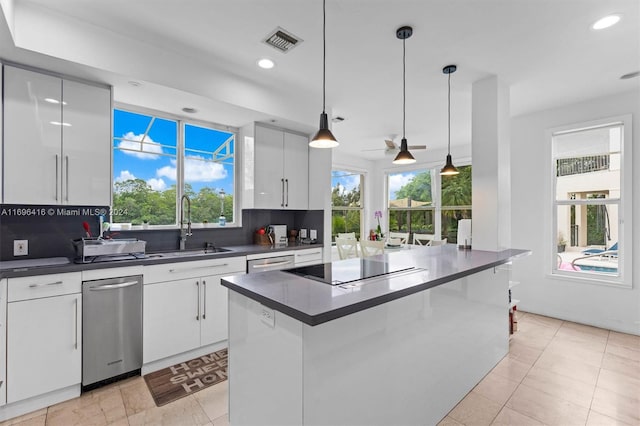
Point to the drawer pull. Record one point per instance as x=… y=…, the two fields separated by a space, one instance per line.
x=307 y=254
x=267 y=265
x=112 y=286
x=197 y=267
x=44 y=285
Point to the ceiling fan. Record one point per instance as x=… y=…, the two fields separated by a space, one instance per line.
x=392 y=147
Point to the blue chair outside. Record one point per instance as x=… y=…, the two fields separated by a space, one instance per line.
x=613 y=248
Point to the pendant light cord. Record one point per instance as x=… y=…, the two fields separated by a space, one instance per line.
x=449 y=113
x=324 y=53
x=404 y=94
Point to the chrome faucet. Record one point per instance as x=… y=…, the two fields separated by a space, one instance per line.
x=184 y=234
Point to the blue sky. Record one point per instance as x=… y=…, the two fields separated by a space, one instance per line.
x=154 y=159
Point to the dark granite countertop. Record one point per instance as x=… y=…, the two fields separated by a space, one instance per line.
x=314 y=302
x=239 y=250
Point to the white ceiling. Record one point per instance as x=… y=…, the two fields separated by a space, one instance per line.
x=203 y=53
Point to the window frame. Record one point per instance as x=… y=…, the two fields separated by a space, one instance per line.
x=625 y=202
x=362 y=198
x=436 y=192
x=180 y=157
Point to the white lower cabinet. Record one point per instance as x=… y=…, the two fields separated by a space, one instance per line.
x=3 y=342
x=188 y=311
x=44 y=331
x=308 y=257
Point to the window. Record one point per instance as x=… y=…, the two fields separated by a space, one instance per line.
x=589 y=178
x=411 y=207
x=158 y=159
x=416 y=206
x=346 y=202
x=455 y=192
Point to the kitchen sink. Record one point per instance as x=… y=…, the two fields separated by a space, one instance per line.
x=187 y=253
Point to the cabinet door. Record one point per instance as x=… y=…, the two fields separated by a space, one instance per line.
x=214 y=311
x=86 y=144
x=171 y=318
x=296 y=171
x=3 y=342
x=268 y=177
x=43 y=345
x=32 y=137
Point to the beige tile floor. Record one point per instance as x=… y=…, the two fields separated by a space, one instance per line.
x=556 y=373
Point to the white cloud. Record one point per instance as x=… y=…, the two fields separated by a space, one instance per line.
x=125 y=175
x=157 y=184
x=195 y=170
x=397 y=181
x=133 y=145
x=350 y=182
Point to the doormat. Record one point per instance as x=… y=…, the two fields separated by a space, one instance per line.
x=185 y=378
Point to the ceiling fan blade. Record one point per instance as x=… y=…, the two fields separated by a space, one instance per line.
x=391 y=144
x=376 y=149
x=417 y=147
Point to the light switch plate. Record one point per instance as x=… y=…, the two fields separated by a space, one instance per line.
x=268 y=316
x=313 y=234
x=20 y=247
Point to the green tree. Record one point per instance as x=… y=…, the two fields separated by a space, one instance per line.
x=419 y=188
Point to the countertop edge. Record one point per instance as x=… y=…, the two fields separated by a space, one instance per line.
x=235 y=251
x=323 y=317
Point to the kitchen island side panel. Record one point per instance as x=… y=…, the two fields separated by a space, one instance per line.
x=265 y=366
x=409 y=361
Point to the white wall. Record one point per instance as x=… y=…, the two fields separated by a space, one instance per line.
x=595 y=304
x=8 y=11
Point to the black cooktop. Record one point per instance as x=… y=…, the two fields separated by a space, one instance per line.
x=346 y=271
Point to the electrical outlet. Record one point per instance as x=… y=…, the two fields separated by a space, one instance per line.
x=20 y=247
x=313 y=234
x=268 y=316
x=303 y=233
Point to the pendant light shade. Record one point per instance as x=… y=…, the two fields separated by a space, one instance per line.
x=449 y=169
x=324 y=138
x=404 y=156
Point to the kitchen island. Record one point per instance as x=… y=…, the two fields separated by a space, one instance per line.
x=401 y=347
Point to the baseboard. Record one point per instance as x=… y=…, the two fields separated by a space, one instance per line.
x=25 y=406
x=184 y=356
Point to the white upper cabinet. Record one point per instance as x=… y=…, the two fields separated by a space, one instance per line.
x=57 y=140
x=276 y=165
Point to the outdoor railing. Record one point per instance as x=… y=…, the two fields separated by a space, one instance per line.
x=578 y=165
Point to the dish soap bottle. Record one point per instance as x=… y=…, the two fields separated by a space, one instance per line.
x=222 y=221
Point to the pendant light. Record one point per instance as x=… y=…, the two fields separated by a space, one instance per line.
x=404 y=156
x=324 y=138
x=449 y=169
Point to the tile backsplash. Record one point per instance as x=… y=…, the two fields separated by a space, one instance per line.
x=50 y=230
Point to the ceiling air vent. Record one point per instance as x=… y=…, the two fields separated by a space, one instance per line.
x=282 y=40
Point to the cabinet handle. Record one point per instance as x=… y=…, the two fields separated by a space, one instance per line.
x=112 y=286
x=75 y=320
x=266 y=265
x=174 y=271
x=66 y=157
x=287 y=202
x=198 y=313
x=308 y=254
x=204 y=297
x=57 y=180
x=44 y=285
x=282 y=203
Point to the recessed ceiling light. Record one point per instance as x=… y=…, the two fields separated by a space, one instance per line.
x=630 y=75
x=189 y=110
x=606 y=22
x=134 y=83
x=266 y=64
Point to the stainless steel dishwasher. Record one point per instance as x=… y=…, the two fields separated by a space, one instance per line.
x=111 y=329
x=270 y=264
